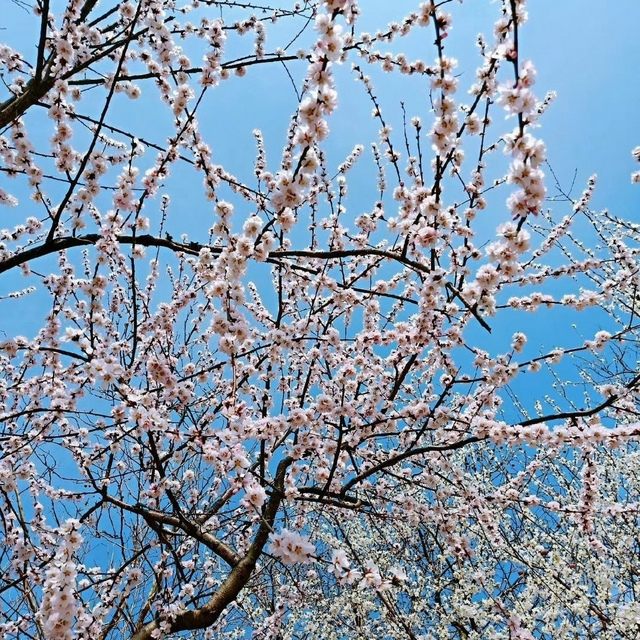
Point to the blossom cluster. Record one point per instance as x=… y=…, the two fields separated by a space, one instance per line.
x=291 y=548
x=220 y=355
x=59 y=607
x=527 y=152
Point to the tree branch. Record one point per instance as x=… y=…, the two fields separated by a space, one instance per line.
x=206 y=615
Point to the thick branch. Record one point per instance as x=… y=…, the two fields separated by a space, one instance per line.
x=193 y=248
x=210 y=541
x=404 y=456
x=206 y=615
x=60 y=244
x=14 y=107
x=581 y=413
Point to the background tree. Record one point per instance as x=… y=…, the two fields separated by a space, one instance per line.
x=520 y=565
x=229 y=404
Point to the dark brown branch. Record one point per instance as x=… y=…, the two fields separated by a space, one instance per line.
x=404 y=456
x=87 y=9
x=192 y=248
x=14 y=107
x=584 y=413
x=42 y=41
x=206 y=615
x=61 y=244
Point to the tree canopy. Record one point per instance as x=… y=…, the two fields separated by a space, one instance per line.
x=274 y=335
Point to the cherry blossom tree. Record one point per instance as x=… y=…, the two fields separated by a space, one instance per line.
x=513 y=561
x=290 y=400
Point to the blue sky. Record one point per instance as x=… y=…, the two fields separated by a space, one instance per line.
x=583 y=52
x=586 y=53
x=589 y=56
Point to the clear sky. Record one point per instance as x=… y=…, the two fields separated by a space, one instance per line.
x=586 y=52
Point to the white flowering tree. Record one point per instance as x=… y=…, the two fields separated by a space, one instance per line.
x=253 y=401
x=520 y=566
